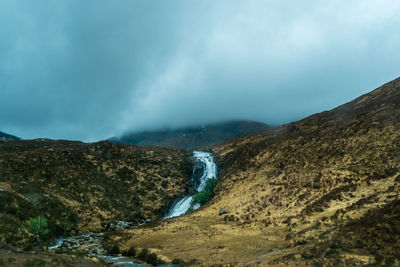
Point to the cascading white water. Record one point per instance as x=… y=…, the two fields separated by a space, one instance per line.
x=209 y=172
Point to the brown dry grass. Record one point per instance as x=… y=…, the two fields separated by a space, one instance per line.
x=307 y=188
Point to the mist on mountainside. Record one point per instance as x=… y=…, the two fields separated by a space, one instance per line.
x=193 y=137
x=81 y=71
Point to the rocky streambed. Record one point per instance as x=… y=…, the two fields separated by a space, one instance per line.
x=92 y=244
x=89 y=243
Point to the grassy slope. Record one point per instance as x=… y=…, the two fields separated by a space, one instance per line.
x=80 y=186
x=194 y=137
x=323 y=190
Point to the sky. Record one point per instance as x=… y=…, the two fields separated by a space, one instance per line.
x=89 y=70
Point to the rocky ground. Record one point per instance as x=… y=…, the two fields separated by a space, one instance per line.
x=89 y=243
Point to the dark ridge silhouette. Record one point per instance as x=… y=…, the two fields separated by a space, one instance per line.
x=193 y=137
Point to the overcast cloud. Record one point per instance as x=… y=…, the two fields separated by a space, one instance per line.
x=88 y=70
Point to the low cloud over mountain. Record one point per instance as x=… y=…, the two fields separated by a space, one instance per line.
x=94 y=69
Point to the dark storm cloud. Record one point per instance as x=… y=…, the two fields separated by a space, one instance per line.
x=91 y=69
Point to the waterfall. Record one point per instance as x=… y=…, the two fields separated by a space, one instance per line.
x=209 y=172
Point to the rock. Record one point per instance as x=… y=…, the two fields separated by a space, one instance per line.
x=222 y=211
x=122 y=225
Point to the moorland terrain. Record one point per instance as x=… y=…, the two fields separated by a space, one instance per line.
x=84 y=187
x=323 y=190
x=320 y=191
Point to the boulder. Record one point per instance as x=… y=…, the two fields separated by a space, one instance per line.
x=222 y=211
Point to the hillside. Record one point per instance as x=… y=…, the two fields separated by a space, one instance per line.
x=193 y=137
x=79 y=186
x=5 y=137
x=323 y=190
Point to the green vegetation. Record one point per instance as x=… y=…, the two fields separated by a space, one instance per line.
x=203 y=196
x=38 y=226
x=189 y=210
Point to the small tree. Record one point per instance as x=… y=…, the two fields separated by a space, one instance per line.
x=38 y=227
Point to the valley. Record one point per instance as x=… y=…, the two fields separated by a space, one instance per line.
x=320 y=191
x=298 y=194
x=199 y=133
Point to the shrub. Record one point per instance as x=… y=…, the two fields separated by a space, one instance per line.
x=201 y=197
x=189 y=210
x=210 y=184
x=205 y=195
x=178 y=262
x=114 y=250
x=143 y=254
x=152 y=259
x=131 y=252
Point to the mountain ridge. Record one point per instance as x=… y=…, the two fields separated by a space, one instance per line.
x=6 y=137
x=190 y=138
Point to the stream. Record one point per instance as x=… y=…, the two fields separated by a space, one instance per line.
x=206 y=161
x=90 y=243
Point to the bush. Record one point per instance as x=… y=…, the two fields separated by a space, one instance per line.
x=131 y=252
x=152 y=259
x=210 y=184
x=143 y=254
x=203 y=196
x=114 y=250
x=178 y=262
